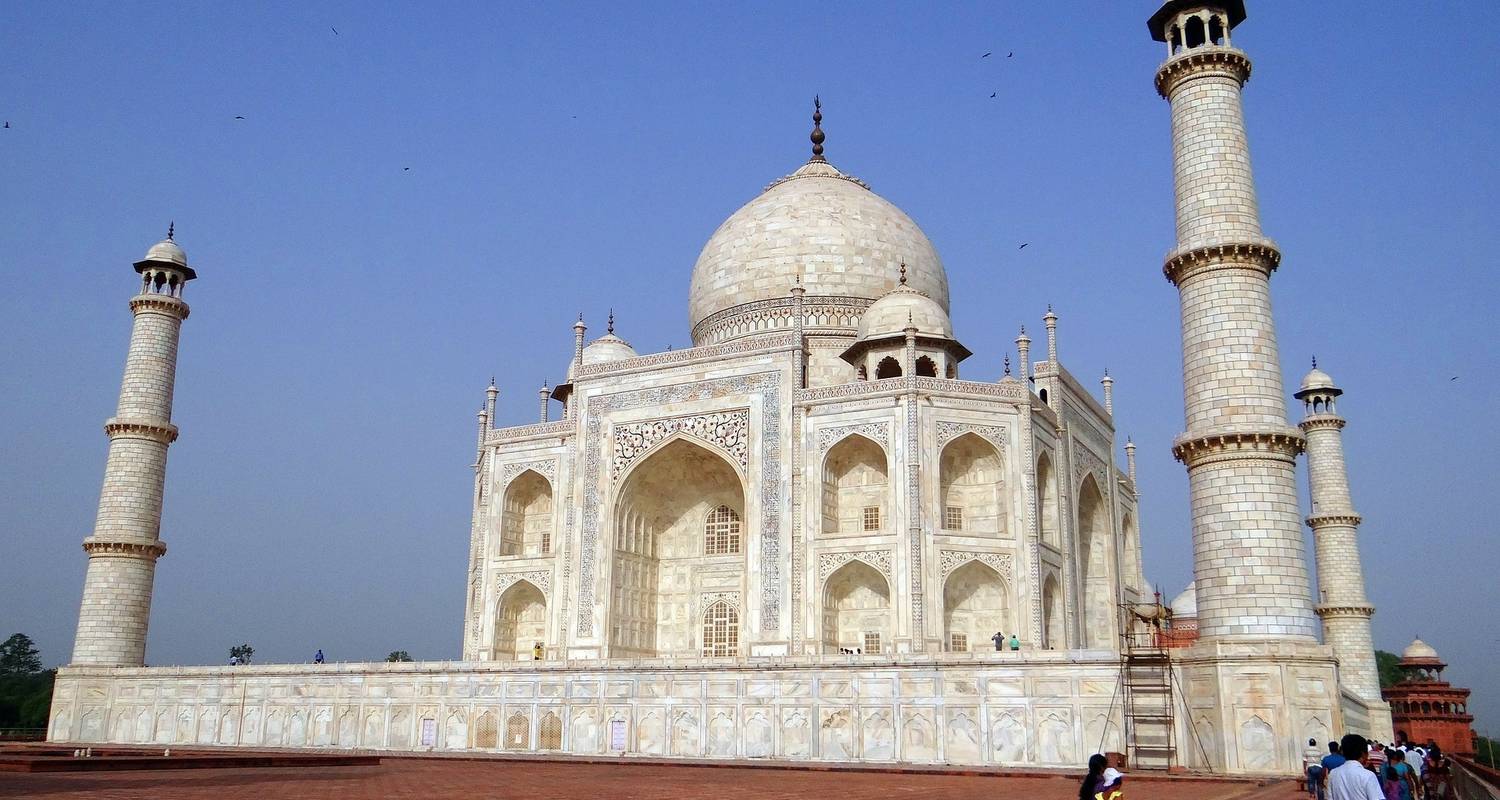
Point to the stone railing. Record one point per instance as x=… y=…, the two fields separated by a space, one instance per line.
x=1472 y=781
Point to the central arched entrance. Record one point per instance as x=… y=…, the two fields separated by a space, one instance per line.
x=679 y=535
x=1094 y=566
x=976 y=606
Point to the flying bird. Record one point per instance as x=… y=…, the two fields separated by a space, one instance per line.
x=992 y=94
x=7 y=123
x=406 y=169
x=335 y=30
x=1450 y=380
x=986 y=55
x=1023 y=247
x=237 y=116
x=1011 y=54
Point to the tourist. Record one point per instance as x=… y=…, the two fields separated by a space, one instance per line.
x=536 y=652
x=318 y=656
x=1437 y=781
x=1377 y=757
x=999 y=640
x=1330 y=762
x=1398 y=778
x=1351 y=780
x=1111 y=785
x=1015 y=642
x=1312 y=767
x=1415 y=756
x=1097 y=762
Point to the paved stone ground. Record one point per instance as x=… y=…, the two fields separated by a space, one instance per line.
x=402 y=778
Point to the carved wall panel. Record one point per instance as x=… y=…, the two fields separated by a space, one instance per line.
x=729 y=431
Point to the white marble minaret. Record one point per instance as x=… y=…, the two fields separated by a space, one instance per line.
x=1241 y=455
x=125 y=545
x=1341 y=581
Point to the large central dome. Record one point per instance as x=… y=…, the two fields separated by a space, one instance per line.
x=841 y=238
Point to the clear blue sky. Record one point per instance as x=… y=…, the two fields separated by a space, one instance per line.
x=567 y=159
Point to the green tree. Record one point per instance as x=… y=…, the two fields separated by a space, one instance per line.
x=1487 y=751
x=242 y=652
x=19 y=656
x=1388 y=665
x=399 y=655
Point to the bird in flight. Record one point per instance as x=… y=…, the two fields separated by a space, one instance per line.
x=1011 y=54
x=986 y=55
x=7 y=123
x=237 y=116
x=992 y=94
x=1450 y=380
x=1024 y=246
x=335 y=30
x=406 y=169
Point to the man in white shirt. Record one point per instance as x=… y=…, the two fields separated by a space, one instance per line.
x=1353 y=781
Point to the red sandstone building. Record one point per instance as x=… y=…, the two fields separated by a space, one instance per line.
x=1424 y=706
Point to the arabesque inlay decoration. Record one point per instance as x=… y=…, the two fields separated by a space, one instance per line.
x=729 y=431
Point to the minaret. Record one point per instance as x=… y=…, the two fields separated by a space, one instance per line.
x=125 y=545
x=542 y=395
x=1341 y=582
x=1240 y=453
x=1109 y=393
x=1023 y=354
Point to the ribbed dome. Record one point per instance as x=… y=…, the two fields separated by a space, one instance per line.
x=606 y=348
x=841 y=238
x=905 y=306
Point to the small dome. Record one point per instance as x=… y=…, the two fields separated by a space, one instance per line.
x=1186 y=603
x=167 y=250
x=1317 y=380
x=1419 y=650
x=607 y=348
x=819 y=225
x=904 y=307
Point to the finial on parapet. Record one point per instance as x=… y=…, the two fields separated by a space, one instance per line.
x=611 y=328
x=171 y=228
x=1007 y=365
x=817 y=131
x=903 y=273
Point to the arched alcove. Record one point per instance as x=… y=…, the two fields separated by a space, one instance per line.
x=526 y=516
x=1094 y=566
x=1130 y=551
x=970 y=487
x=888 y=367
x=520 y=622
x=976 y=606
x=1056 y=638
x=721 y=630
x=680 y=508
x=856 y=609
x=855 y=485
x=926 y=367
x=1046 y=492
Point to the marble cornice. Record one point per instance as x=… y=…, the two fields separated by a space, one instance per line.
x=1199 y=449
x=164 y=432
x=1322 y=520
x=108 y=547
x=1181 y=265
x=159 y=304
x=1345 y=610
x=1322 y=421
x=1200 y=61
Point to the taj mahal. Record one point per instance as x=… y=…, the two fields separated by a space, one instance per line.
x=796 y=538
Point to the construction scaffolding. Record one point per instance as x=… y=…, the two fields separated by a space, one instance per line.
x=1146 y=686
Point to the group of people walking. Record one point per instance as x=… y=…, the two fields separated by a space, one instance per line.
x=1359 y=769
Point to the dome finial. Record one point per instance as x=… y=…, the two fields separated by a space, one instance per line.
x=171 y=228
x=611 y=328
x=817 y=131
x=1315 y=362
x=903 y=273
x=1007 y=364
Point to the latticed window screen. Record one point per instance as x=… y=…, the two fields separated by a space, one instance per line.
x=872 y=642
x=485 y=731
x=518 y=732
x=721 y=532
x=872 y=518
x=953 y=518
x=549 y=735
x=959 y=643
x=546 y=543
x=721 y=630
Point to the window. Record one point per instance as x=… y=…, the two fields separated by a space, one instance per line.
x=888 y=368
x=872 y=642
x=721 y=532
x=546 y=542
x=926 y=368
x=959 y=643
x=721 y=630
x=872 y=518
x=953 y=518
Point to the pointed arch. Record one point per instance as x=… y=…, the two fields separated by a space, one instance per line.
x=665 y=504
x=856 y=608
x=520 y=621
x=1054 y=634
x=926 y=367
x=856 y=482
x=721 y=630
x=1130 y=552
x=976 y=606
x=526 y=519
x=888 y=367
x=1046 y=493
x=1094 y=559
x=970 y=481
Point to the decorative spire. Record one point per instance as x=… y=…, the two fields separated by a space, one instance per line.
x=903 y=273
x=171 y=228
x=1007 y=365
x=611 y=328
x=1315 y=362
x=817 y=131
